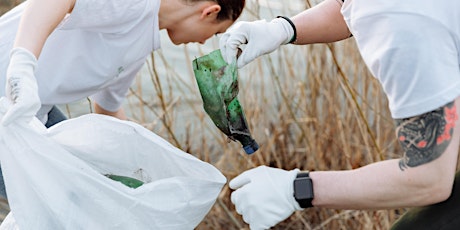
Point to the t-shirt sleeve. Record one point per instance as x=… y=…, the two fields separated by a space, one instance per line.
x=106 y=16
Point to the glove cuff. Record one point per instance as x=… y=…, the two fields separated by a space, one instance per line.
x=289 y=27
x=21 y=60
x=292 y=200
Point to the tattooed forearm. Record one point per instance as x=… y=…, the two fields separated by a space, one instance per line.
x=424 y=138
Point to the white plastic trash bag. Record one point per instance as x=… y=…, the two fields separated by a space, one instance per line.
x=55 y=178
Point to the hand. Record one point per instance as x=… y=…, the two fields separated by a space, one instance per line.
x=261 y=37
x=264 y=196
x=21 y=87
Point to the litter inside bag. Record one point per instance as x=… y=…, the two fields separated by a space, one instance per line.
x=56 y=179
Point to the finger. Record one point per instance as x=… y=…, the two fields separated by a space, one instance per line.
x=234 y=198
x=9 y=116
x=4 y=105
x=223 y=46
x=230 y=56
x=233 y=44
x=239 y=181
x=256 y=226
x=230 y=52
x=241 y=62
x=17 y=113
x=250 y=53
x=247 y=218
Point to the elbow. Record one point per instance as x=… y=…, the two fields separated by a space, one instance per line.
x=435 y=192
x=430 y=185
x=440 y=194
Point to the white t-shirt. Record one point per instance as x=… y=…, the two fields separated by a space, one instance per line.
x=412 y=48
x=95 y=51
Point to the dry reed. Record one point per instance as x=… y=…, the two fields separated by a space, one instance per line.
x=313 y=107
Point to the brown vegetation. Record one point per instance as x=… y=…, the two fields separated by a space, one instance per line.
x=313 y=108
x=6 y=5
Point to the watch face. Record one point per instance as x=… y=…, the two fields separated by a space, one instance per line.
x=303 y=188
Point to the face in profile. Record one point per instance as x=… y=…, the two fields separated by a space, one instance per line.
x=197 y=30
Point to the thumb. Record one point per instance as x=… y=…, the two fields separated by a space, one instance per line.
x=246 y=57
x=257 y=226
x=239 y=181
x=223 y=46
x=232 y=47
x=10 y=116
x=4 y=105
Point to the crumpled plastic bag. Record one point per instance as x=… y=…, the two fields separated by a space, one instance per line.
x=55 y=177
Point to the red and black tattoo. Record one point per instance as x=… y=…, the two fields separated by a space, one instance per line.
x=424 y=138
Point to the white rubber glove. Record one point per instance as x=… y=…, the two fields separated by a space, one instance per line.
x=260 y=36
x=21 y=87
x=264 y=196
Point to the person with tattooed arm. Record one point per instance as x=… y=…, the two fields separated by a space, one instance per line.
x=419 y=70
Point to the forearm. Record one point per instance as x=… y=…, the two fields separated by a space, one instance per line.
x=39 y=19
x=376 y=186
x=321 y=24
x=384 y=185
x=120 y=114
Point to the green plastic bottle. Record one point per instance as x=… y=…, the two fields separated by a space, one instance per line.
x=218 y=85
x=128 y=181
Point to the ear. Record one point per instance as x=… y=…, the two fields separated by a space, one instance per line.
x=210 y=11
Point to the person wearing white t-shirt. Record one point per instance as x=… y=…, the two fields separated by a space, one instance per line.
x=412 y=48
x=61 y=51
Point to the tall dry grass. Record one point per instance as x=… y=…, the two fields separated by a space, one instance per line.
x=6 y=5
x=319 y=110
x=309 y=107
x=313 y=108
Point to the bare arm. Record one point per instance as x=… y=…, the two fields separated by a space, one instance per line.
x=321 y=24
x=39 y=19
x=120 y=114
x=424 y=175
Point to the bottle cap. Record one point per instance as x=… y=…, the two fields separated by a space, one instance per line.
x=251 y=147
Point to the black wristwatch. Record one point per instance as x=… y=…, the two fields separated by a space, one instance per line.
x=303 y=190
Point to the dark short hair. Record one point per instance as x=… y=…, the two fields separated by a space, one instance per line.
x=230 y=9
